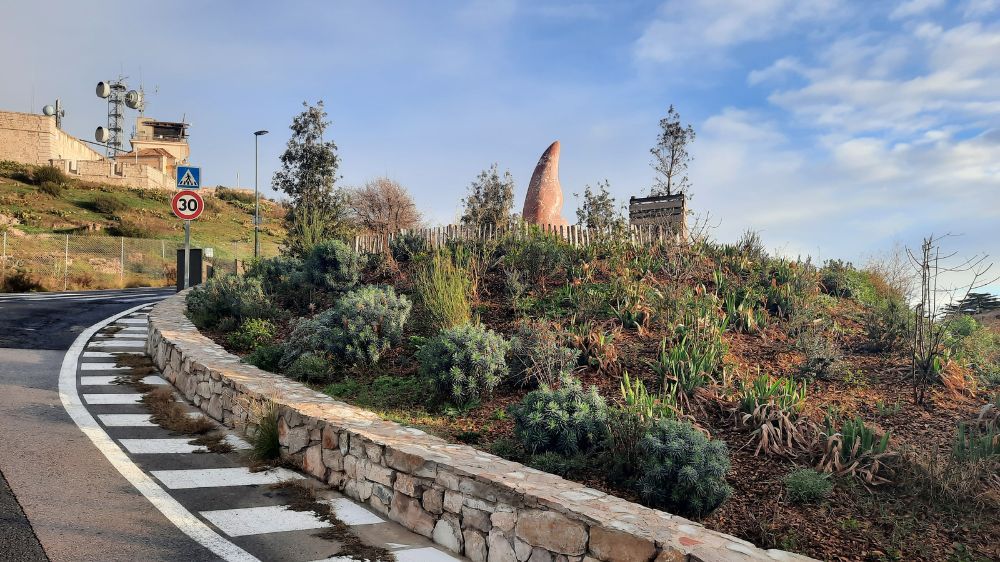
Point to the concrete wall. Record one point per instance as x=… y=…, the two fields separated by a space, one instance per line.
x=124 y=173
x=34 y=139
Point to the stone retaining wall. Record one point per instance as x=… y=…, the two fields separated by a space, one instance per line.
x=470 y=502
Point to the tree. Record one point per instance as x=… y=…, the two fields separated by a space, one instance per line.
x=670 y=155
x=308 y=173
x=490 y=199
x=974 y=303
x=382 y=206
x=598 y=209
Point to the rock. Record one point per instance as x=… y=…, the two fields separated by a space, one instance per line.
x=313 y=462
x=453 y=501
x=433 y=500
x=407 y=512
x=543 y=203
x=379 y=473
x=333 y=459
x=503 y=521
x=551 y=531
x=500 y=549
x=616 y=546
x=408 y=485
x=522 y=550
x=374 y=452
x=330 y=437
x=475 y=546
x=476 y=519
x=410 y=464
x=351 y=467
x=539 y=555
x=447 y=533
x=295 y=438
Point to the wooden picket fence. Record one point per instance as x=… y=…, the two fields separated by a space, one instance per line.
x=579 y=236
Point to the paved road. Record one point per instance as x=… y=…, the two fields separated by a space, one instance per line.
x=58 y=493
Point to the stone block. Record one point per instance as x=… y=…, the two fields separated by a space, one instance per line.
x=351 y=467
x=499 y=548
x=379 y=473
x=383 y=493
x=313 y=462
x=374 y=452
x=503 y=520
x=540 y=555
x=552 y=531
x=408 y=485
x=453 y=501
x=410 y=464
x=475 y=546
x=407 y=512
x=448 y=533
x=330 y=437
x=522 y=550
x=333 y=459
x=433 y=500
x=617 y=546
x=447 y=480
x=295 y=438
x=476 y=519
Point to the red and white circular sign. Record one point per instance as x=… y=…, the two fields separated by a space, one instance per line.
x=187 y=204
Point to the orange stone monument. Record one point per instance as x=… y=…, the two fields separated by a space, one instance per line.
x=543 y=203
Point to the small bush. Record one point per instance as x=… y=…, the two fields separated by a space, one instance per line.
x=308 y=335
x=332 y=265
x=52 y=189
x=309 y=368
x=251 y=334
x=278 y=275
x=229 y=297
x=265 y=357
x=682 y=471
x=383 y=392
x=407 y=246
x=464 y=363
x=626 y=428
x=854 y=449
x=365 y=323
x=822 y=355
x=264 y=436
x=974 y=345
x=130 y=229
x=15 y=170
x=560 y=465
x=442 y=289
x=567 y=420
x=886 y=324
x=536 y=256
x=807 y=486
x=973 y=443
x=108 y=204
x=21 y=281
x=508 y=449
x=48 y=174
x=237 y=195
x=538 y=356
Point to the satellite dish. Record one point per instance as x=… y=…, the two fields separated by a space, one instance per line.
x=101 y=134
x=133 y=99
x=49 y=110
x=103 y=89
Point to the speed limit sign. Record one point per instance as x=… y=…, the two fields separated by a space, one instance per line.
x=187 y=204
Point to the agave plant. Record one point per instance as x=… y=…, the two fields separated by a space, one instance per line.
x=772 y=406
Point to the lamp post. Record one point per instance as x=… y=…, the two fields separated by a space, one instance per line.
x=256 y=201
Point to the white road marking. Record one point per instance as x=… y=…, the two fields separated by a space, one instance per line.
x=112 y=398
x=426 y=554
x=217 y=477
x=187 y=522
x=102 y=367
x=160 y=446
x=351 y=513
x=237 y=443
x=106 y=355
x=260 y=520
x=121 y=336
x=108 y=344
x=110 y=379
x=126 y=420
x=134 y=322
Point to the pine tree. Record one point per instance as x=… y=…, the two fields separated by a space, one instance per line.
x=308 y=175
x=490 y=199
x=974 y=303
x=670 y=155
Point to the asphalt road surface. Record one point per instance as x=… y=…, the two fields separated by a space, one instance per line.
x=60 y=499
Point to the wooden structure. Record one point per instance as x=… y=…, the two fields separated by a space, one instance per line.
x=662 y=210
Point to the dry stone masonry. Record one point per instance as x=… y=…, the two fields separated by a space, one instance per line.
x=470 y=502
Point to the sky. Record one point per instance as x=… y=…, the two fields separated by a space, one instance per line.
x=835 y=128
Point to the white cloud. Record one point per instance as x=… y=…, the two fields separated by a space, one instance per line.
x=912 y=8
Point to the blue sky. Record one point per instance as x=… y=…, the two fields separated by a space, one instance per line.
x=835 y=128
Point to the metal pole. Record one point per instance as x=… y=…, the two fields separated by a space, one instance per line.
x=66 y=265
x=187 y=254
x=256 y=202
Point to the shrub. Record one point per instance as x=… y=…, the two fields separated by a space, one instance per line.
x=822 y=355
x=442 y=289
x=806 y=485
x=21 y=281
x=130 y=229
x=886 y=324
x=333 y=266
x=48 y=174
x=265 y=357
x=788 y=285
x=309 y=367
x=464 y=363
x=15 y=170
x=108 y=204
x=251 y=334
x=974 y=345
x=308 y=335
x=626 y=428
x=560 y=465
x=784 y=393
x=228 y=298
x=278 y=275
x=365 y=323
x=536 y=256
x=406 y=246
x=973 y=443
x=52 y=189
x=854 y=449
x=682 y=470
x=538 y=356
x=567 y=420
x=265 y=436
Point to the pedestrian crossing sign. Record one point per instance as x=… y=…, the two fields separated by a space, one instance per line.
x=188 y=177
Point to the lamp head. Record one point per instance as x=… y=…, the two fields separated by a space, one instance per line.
x=259 y=133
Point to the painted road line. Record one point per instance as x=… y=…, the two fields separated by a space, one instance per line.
x=99 y=355
x=133 y=322
x=425 y=554
x=120 y=336
x=235 y=442
x=108 y=344
x=351 y=513
x=110 y=379
x=112 y=398
x=260 y=520
x=186 y=521
x=126 y=420
x=218 y=477
x=102 y=367
x=160 y=446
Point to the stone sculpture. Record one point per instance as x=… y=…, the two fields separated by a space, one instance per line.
x=543 y=203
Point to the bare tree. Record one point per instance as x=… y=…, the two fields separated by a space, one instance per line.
x=927 y=337
x=383 y=207
x=670 y=155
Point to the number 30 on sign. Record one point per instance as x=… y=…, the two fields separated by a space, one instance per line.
x=187 y=204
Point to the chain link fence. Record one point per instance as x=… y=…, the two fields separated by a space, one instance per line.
x=60 y=262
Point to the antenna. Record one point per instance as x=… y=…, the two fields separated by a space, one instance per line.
x=119 y=97
x=56 y=110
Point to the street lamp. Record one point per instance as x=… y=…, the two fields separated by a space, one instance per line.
x=256 y=201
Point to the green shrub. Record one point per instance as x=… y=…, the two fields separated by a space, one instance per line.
x=383 y=392
x=130 y=229
x=407 y=246
x=48 y=174
x=784 y=393
x=278 y=275
x=626 y=428
x=251 y=334
x=310 y=368
x=854 y=448
x=682 y=471
x=234 y=195
x=822 y=355
x=806 y=486
x=332 y=265
x=788 y=285
x=560 y=465
x=108 y=204
x=365 y=323
x=442 y=289
x=264 y=437
x=538 y=356
x=536 y=255
x=265 y=357
x=566 y=420
x=508 y=449
x=974 y=345
x=886 y=324
x=52 y=189
x=696 y=357
x=227 y=299
x=15 y=170
x=464 y=363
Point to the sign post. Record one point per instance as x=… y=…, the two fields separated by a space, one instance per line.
x=187 y=205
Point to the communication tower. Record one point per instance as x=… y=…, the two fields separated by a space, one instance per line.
x=119 y=97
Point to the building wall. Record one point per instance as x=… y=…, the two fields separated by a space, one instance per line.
x=34 y=139
x=123 y=173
